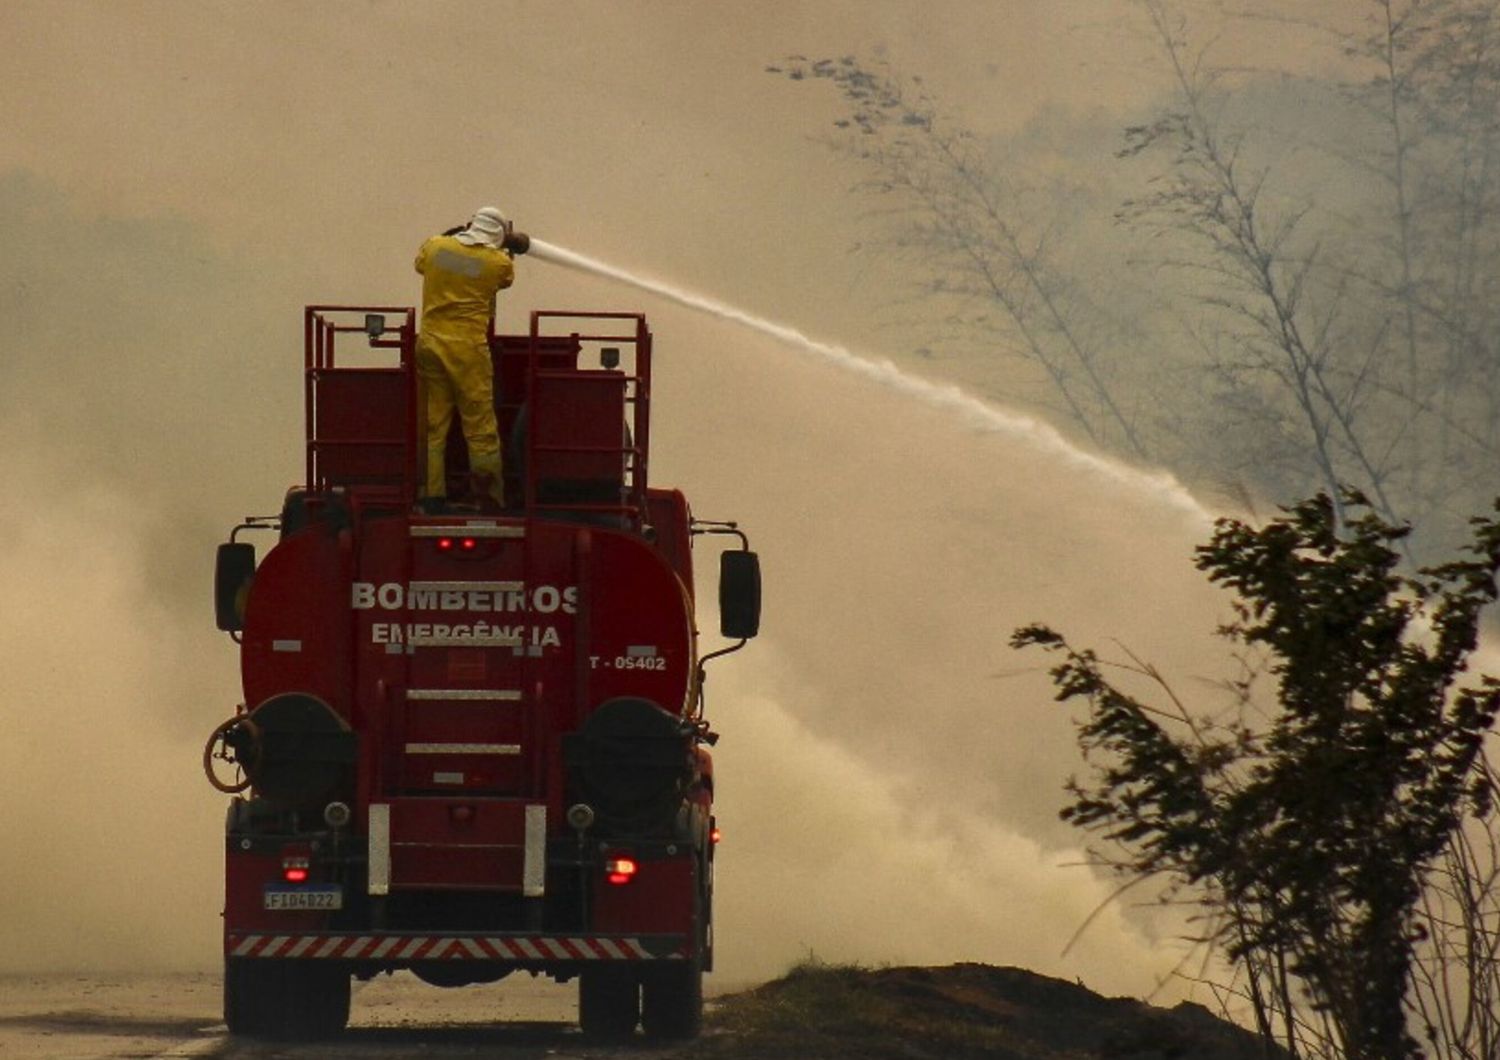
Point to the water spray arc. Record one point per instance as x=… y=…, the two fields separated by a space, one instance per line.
x=977 y=414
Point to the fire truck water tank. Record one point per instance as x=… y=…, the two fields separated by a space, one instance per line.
x=631 y=762
x=296 y=750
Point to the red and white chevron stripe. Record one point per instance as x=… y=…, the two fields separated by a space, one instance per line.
x=441 y=947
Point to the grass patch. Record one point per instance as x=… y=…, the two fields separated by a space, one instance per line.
x=820 y=1010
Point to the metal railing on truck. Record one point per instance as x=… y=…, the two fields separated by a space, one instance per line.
x=361 y=421
x=587 y=430
x=583 y=432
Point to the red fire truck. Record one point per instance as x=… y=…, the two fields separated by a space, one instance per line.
x=472 y=739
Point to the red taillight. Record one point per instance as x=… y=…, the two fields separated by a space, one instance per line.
x=713 y=835
x=294 y=870
x=445 y=544
x=620 y=870
x=469 y=544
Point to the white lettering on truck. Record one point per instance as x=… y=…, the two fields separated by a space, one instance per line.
x=399 y=633
x=396 y=596
x=470 y=605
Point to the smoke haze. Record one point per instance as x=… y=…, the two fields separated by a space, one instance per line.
x=889 y=772
x=107 y=859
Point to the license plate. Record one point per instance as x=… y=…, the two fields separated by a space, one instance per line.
x=305 y=897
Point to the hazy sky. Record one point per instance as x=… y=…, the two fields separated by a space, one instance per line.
x=318 y=136
x=178 y=179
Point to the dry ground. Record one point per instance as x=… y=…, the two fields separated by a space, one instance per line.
x=840 y=1013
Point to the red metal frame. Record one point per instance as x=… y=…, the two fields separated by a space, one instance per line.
x=321 y=326
x=330 y=440
x=637 y=395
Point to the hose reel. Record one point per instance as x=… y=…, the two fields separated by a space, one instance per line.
x=294 y=749
x=631 y=762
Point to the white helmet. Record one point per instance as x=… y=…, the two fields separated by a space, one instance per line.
x=487 y=226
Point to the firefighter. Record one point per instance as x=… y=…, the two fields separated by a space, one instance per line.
x=461 y=274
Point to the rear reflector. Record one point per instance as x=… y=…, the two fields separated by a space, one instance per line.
x=620 y=870
x=294 y=870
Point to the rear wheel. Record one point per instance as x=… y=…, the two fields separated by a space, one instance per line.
x=609 y=1002
x=285 y=1000
x=672 y=999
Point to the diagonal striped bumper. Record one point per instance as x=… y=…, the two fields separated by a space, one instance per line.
x=528 y=949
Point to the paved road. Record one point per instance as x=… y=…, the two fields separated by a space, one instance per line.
x=78 y=1017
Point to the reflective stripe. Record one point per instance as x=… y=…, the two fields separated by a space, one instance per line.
x=492 y=641
x=469 y=530
x=463 y=694
x=379 y=834
x=534 y=868
x=454 y=262
x=468 y=587
x=449 y=947
x=286 y=645
x=462 y=749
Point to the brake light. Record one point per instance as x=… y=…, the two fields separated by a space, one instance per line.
x=294 y=870
x=469 y=544
x=445 y=544
x=620 y=870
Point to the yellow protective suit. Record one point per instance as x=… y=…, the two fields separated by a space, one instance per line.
x=459 y=283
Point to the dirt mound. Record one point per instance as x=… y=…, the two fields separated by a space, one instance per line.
x=955 y=1013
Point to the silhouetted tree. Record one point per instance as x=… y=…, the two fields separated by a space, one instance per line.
x=1335 y=834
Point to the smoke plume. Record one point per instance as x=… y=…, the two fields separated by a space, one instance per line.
x=889 y=772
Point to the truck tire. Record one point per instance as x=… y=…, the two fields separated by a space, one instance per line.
x=609 y=1003
x=285 y=1000
x=672 y=999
